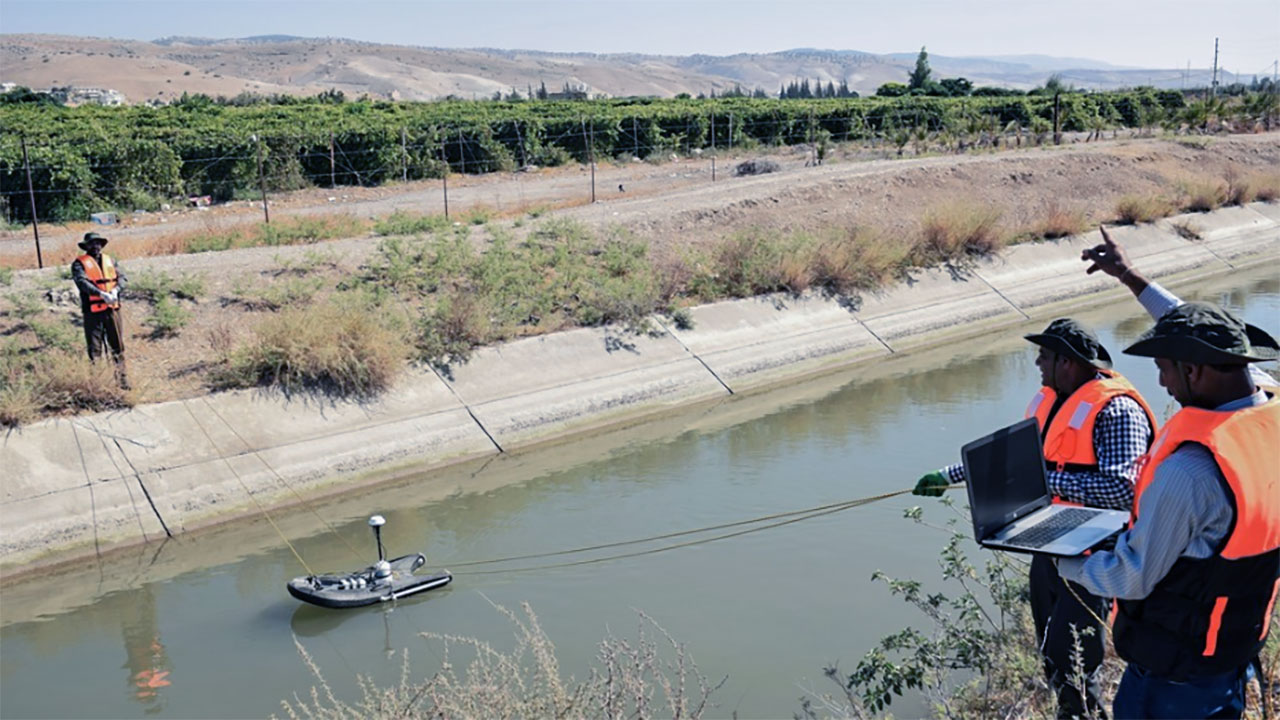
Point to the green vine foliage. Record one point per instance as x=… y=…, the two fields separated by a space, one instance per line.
x=92 y=157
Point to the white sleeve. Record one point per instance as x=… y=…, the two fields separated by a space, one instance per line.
x=1157 y=301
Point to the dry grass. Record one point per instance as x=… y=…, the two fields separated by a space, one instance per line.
x=330 y=348
x=48 y=381
x=1060 y=222
x=1134 y=209
x=1266 y=187
x=650 y=676
x=956 y=230
x=1203 y=195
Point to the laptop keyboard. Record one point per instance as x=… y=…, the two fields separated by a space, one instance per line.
x=1052 y=528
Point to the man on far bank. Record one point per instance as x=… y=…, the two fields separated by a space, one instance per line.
x=1197 y=573
x=99 y=281
x=1094 y=426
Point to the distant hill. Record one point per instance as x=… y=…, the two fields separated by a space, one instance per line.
x=166 y=68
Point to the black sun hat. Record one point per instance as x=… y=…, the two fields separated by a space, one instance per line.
x=1205 y=334
x=1068 y=337
x=91 y=237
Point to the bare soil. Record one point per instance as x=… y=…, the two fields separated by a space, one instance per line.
x=670 y=205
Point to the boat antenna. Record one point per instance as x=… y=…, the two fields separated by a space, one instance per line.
x=376 y=522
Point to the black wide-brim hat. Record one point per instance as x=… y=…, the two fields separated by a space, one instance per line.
x=1068 y=337
x=91 y=237
x=1205 y=334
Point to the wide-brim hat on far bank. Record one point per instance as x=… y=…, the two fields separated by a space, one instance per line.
x=92 y=237
x=1204 y=334
x=1068 y=337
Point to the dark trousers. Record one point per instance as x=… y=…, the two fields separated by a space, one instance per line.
x=1055 y=611
x=1146 y=696
x=101 y=332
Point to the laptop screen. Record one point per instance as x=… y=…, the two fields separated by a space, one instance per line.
x=1006 y=476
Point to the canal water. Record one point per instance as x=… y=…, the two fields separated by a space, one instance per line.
x=202 y=626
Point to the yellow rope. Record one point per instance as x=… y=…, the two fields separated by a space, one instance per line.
x=282 y=480
x=247 y=491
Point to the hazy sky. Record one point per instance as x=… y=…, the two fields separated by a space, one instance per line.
x=1145 y=33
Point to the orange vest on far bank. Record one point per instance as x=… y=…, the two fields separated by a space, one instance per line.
x=103 y=277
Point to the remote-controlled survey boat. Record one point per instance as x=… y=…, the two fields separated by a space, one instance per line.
x=383 y=581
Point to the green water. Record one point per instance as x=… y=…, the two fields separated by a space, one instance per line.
x=768 y=610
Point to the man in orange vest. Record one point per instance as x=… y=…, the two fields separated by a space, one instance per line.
x=1094 y=427
x=1196 y=574
x=99 y=280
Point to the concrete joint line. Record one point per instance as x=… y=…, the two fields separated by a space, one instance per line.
x=693 y=354
x=466 y=407
x=1221 y=259
x=1002 y=295
x=873 y=334
x=104 y=434
x=102 y=438
x=88 y=481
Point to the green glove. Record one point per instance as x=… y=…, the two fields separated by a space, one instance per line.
x=932 y=485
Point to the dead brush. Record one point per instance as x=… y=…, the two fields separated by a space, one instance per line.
x=1134 y=209
x=1240 y=190
x=1061 y=222
x=1266 y=187
x=1203 y=195
x=957 y=230
x=857 y=259
x=648 y=676
x=323 y=348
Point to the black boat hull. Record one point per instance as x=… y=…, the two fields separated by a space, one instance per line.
x=362 y=588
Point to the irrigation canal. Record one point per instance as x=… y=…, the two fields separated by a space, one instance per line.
x=202 y=626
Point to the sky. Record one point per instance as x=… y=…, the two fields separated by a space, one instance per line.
x=1137 y=33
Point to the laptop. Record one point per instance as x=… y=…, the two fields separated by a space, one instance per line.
x=1010 y=502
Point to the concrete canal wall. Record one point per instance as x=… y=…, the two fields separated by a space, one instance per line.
x=76 y=486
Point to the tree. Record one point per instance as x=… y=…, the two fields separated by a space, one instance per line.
x=956 y=87
x=920 y=76
x=891 y=89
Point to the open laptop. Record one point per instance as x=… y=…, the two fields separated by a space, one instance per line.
x=1010 y=502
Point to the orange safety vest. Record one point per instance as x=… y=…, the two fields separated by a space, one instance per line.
x=103 y=277
x=1068 y=434
x=1212 y=615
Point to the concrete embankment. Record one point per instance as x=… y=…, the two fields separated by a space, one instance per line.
x=78 y=486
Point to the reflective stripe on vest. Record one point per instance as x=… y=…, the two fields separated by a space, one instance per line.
x=1213 y=614
x=1069 y=437
x=1246 y=445
x=104 y=278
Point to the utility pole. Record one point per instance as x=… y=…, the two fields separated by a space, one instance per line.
x=262 y=182
x=444 y=179
x=332 y=166
x=404 y=151
x=1213 y=87
x=31 y=193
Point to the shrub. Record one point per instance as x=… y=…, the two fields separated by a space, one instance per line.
x=55 y=335
x=305 y=230
x=167 y=317
x=403 y=223
x=35 y=384
x=649 y=676
x=294 y=291
x=477 y=216
x=1266 y=187
x=756 y=167
x=329 y=348
x=1061 y=222
x=1133 y=209
x=6 y=275
x=1204 y=196
x=211 y=242
x=956 y=230
x=447 y=332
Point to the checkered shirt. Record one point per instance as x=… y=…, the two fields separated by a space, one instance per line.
x=1121 y=435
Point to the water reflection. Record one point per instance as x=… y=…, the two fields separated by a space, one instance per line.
x=145 y=657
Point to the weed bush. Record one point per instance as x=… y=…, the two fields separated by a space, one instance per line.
x=1266 y=187
x=211 y=242
x=649 y=676
x=1133 y=209
x=1060 y=222
x=303 y=230
x=6 y=276
x=330 y=348
x=46 y=380
x=1203 y=195
x=954 y=231
x=167 y=318
x=403 y=223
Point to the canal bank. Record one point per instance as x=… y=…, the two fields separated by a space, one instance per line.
x=83 y=485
